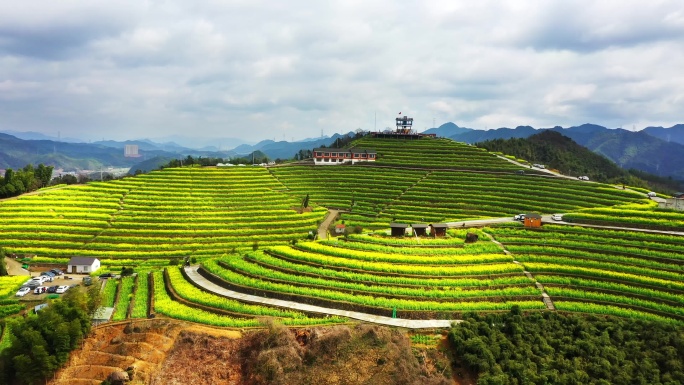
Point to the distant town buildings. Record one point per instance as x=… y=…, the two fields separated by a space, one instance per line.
x=131 y=151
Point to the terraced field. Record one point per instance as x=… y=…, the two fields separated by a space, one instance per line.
x=624 y=273
x=246 y=228
x=377 y=196
x=432 y=281
x=645 y=216
x=148 y=219
x=434 y=153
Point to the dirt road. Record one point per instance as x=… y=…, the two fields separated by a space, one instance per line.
x=323 y=228
x=14 y=267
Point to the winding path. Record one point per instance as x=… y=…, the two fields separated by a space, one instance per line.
x=323 y=227
x=199 y=280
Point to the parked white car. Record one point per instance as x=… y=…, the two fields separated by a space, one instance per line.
x=519 y=217
x=557 y=217
x=652 y=194
x=23 y=291
x=62 y=289
x=37 y=280
x=40 y=290
x=584 y=177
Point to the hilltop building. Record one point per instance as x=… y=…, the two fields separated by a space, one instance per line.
x=404 y=130
x=334 y=156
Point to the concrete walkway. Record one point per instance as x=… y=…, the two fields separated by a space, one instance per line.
x=546 y=219
x=194 y=276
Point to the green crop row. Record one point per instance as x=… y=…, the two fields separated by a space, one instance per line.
x=394 y=241
x=140 y=298
x=413 y=251
x=7 y=310
x=611 y=310
x=454 y=293
x=125 y=294
x=583 y=255
x=499 y=268
x=593 y=235
x=629 y=269
x=613 y=298
x=366 y=300
x=269 y=260
x=604 y=273
x=607 y=285
x=459 y=256
x=109 y=293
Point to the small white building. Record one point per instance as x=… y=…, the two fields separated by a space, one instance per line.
x=672 y=204
x=84 y=265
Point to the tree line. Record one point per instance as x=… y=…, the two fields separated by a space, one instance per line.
x=257 y=158
x=40 y=343
x=24 y=180
x=556 y=348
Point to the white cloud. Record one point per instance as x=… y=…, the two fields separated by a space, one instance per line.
x=260 y=69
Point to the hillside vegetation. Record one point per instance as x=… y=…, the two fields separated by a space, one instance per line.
x=251 y=230
x=561 y=153
x=552 y=348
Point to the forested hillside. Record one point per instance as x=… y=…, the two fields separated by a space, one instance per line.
x=559 y=152
x=553 y=348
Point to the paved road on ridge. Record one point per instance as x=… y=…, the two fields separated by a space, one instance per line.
x=194 y=276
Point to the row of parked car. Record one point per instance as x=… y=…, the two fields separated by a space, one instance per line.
x=35 y=284
x=43 y=289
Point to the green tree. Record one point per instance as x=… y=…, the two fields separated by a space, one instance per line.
x=3 y=265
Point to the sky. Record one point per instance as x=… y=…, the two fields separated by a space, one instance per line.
x=252 y=69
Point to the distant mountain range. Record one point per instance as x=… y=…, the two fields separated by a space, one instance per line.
x=656 y=150
x=16 y=152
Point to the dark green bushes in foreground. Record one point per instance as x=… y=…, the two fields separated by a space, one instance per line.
x=553 y=348
x=41 y=343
